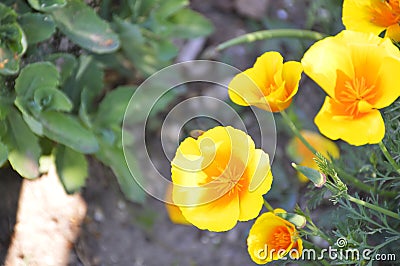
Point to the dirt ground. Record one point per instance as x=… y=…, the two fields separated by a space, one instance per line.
x=98 y=226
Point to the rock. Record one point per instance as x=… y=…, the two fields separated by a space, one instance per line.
x=252 y=8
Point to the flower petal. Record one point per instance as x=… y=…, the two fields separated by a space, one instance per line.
x=260 y=180
x=246 y=88
x=389 y=87
x=393 y=32
x=357 y=15
x=323 y=58
x=335 y=126
x=218 y=216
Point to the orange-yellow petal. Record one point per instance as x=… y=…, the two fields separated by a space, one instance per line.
x=364 y=129
x=217 y=216
x=271 y=238
x=260 y=180
x=174 y=213
x=358 y=15
x=393 y=32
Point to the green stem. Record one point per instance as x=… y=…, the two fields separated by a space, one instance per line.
x=345 y=176
x=270 y=34
x=362 y=186
x=373 y=207
x=268 y=206
x=293 y=127
x=389 y=157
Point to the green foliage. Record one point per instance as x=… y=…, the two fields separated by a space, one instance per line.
x=57 y=100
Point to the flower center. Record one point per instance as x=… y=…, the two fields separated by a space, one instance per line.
x=355 y=95
x=386 y=13
x=281 y=238
x=230 y=179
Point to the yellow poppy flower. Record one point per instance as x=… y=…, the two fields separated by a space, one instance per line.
x=269 y=85
x=220 y=178
x=373 y=16
x=300 y=154
x=272 y=238
x=357 y=71
x=174 y=213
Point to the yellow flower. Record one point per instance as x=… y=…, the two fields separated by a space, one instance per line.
x=300 y=154
x=174 y=213
x=269 y=85
x=272 y=238
x=220 y=178
x=359 y=72
x=373 y=16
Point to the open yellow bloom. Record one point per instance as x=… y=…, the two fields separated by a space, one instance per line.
x=220 y=178
x=300 y=154
x=373 y=16
x=269 y=85
x=359 y=73
x=272 y=238
x=174 y=213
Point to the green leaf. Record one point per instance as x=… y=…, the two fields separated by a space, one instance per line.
x=65 y=63
x=23 y=146
x=168 y=8
x=114 y=158
x=50 y=98
x=46 y=5
x=112 y=108
x=33 y=123
x=190 y=24
x=34 y=76
x=4 y=109
x=72 y=168
x=69 y=131
x=3 y=154
x=13 y=42
x=37 y=27
x=88 y=76
x=85 y=28
x=143 y=55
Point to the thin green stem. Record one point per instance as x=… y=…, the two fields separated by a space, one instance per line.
x=389 y=157
x=268 y=206
x=270 y=34
x=373 y=207
x=293 y=127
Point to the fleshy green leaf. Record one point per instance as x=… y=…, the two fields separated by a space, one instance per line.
x=85 y=28
x=47 y=5
x=69 y=131
x=50 y=98
x=114 y=158
x=168 y=8
x=23 y=145
x=72 y=168
x=34 y=76
x=112 y=108
x=37 y=27
x=13 y=41
x=190 y=24
x=3 y=153
x=65 y=63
